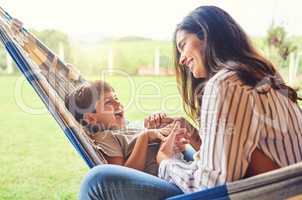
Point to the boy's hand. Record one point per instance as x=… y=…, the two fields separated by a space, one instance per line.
x=168 y=128
x=155 y=135
x=162 y=133
x=157 y=120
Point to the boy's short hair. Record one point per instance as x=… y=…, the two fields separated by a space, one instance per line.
x=84 y=98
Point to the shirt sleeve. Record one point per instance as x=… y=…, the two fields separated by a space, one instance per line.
x=229 y=132
x=107 y=143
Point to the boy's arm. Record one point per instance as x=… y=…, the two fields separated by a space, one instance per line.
x=115 y=160
x=137 y=157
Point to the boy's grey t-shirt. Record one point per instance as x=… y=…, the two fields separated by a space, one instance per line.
x=120 y=143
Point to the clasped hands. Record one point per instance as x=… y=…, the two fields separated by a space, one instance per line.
x=173 y=133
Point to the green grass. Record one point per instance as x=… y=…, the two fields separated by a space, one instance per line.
x=36 y=159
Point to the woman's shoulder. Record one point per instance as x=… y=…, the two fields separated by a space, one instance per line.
x=227 y=78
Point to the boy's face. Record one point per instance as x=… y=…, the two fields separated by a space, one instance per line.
x=109 y=112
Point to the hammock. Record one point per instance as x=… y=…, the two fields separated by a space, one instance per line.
x=52 y=80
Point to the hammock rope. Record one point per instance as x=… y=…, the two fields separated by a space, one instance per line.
x=52 y=79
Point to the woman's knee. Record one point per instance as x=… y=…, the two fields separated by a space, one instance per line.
x=101 y=175
x=118 y=182
x=96 y=181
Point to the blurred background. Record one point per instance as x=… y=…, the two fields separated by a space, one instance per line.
x=131 y=40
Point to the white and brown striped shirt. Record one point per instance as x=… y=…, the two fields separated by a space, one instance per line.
x=236 y=119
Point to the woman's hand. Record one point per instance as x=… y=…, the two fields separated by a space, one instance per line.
x=192 y=132
x=173 y=144
x=182 y=138
x=167 y=129
x=185 y=124
x=157 y=120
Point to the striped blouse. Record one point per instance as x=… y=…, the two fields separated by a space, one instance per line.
x=236 y=119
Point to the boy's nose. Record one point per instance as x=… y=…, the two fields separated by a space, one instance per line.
x=117 y=103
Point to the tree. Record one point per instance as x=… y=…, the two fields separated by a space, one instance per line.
x=52 y=38
x=280 y=46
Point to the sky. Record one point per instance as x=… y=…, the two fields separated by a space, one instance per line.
x=147 y=18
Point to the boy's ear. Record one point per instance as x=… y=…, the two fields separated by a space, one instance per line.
x=90 y=118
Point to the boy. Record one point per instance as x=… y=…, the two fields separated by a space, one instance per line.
x=97 y=107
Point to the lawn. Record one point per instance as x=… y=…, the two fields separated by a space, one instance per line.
x=37 y=161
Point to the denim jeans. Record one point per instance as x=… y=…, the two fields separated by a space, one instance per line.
x=113 y=182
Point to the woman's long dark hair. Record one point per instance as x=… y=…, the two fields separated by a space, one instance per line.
x=224 y=41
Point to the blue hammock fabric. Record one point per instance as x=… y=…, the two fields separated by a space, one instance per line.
x=278 y=184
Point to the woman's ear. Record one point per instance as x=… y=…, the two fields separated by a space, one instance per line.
x=90 y=118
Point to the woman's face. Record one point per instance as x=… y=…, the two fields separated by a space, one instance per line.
x=190 y=48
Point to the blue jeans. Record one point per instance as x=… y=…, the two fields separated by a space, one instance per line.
x=113 y=182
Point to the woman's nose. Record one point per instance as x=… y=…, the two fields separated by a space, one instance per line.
x=182 y=60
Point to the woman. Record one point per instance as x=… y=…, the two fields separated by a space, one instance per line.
x=240 y=102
